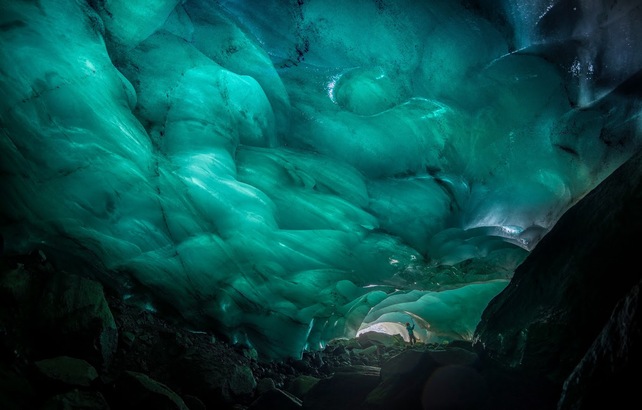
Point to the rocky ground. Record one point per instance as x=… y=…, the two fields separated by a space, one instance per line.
x=67 y=344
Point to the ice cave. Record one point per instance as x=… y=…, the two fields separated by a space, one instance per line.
x=287 y=173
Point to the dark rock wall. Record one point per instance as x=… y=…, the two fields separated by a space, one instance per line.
x=564 y=294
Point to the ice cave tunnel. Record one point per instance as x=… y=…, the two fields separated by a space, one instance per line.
x=289 y=172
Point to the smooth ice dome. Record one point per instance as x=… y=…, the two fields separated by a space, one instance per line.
x=285 y=173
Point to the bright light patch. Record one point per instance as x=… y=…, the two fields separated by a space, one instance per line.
x=90 y=66
x=379 y=328
x=388 y=328
x=330 y=88
x=512 y=230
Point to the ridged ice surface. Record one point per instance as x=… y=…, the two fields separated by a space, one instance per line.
x=289 y=172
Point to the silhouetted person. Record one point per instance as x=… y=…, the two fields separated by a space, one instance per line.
x=411 y=333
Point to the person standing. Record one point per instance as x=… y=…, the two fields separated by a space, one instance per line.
x=411 y=333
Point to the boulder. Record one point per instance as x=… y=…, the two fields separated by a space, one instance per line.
x=67 y=370
x=74 y=319
x=76 y=399
x=346 y=389
x=276 y=399
x=137 y=390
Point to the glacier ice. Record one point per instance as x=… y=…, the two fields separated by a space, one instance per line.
x=285 y=173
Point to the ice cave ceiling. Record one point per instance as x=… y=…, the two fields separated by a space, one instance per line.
x=287 y=172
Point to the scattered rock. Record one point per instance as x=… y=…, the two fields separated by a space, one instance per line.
x=116 y=354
